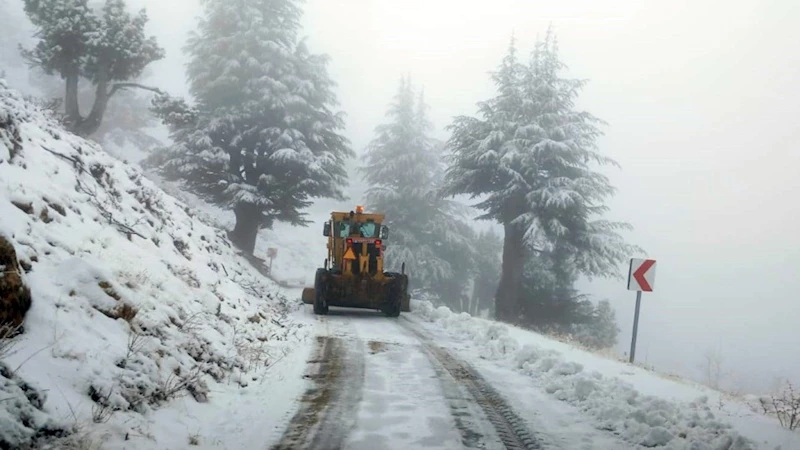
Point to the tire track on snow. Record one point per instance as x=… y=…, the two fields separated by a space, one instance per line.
x=328 y=409
x=510 y=428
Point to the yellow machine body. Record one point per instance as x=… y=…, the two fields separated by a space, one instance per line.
x=353 y=275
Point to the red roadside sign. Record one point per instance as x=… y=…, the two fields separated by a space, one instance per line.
x=642 y=275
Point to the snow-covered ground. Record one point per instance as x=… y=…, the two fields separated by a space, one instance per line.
x=406 y=400
x=641 y=407
x=397 y=396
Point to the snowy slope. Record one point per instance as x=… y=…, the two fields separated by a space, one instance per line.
x=144 y=318
x=301 y=250
x=641 y=407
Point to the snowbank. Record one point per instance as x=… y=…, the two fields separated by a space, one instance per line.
x=647 y=417
x=136 y=302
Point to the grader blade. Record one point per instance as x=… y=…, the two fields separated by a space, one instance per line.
x=308 y=296
x=405 y=304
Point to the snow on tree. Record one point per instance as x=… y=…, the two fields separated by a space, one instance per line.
x=109 y=48
x=404 y=171
x=262 y=137
x=530 y=159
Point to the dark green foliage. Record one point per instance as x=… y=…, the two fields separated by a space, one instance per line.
x=262 y=137
x=530 y=159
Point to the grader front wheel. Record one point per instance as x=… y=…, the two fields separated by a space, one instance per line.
x=320 y=302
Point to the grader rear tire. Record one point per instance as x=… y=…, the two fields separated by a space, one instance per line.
x=394 y=297
x=405 y=299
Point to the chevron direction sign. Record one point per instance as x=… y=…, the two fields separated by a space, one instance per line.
x=641 y=278
x=642 y=275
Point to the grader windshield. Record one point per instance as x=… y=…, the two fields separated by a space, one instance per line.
x=356 y=241
x=365 y=230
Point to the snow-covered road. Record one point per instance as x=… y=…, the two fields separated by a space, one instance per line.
x=379 y=383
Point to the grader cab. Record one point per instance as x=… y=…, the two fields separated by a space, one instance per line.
x=353 y=275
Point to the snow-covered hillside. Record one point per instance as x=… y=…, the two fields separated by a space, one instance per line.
x=136 y=302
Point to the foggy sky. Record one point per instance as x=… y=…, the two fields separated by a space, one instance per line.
x=702 y=101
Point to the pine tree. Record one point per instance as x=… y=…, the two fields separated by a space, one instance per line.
x=109 y=48
x=404 y=170
x=530 y=157
x=478 y=169
x=262 y=137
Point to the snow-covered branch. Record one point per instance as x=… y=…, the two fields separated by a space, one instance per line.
x=119 y=86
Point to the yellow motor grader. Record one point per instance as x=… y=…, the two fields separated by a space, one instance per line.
x=353 y=275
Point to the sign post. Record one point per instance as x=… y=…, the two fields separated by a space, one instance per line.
x=641 y=277
x=271 y=254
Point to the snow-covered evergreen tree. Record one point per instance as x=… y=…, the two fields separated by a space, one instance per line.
x=531 y=160
x=404 y=170
x=601 y=331
x=263 y=137
x=109 y=48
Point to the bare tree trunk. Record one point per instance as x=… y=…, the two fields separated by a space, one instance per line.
x=89 y=125
x=248 y=221
x=509 y=290
x=92 y=122
x=72 y=108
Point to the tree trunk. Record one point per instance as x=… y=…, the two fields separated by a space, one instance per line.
x=248 y=221
x=92 y=122
x=510 y=288
x=72 y=109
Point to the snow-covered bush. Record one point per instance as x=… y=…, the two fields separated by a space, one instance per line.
x=785 y=406
x=22 y=415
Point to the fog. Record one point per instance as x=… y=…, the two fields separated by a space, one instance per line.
x=702 y=103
